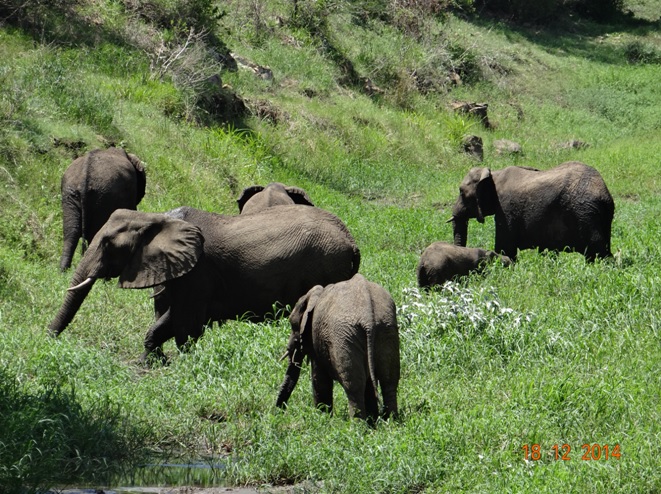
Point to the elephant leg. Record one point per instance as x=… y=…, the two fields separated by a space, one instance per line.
x=159 y=333
x=505 y=244
x=161 y=301
x=187 y=334
x=388 y=372
x=189 y=317
x=322 y=387
x=389 y=392
x=71 y=221
x=356 y=387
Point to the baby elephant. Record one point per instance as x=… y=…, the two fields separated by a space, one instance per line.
x=349 y=332
x=442 y=261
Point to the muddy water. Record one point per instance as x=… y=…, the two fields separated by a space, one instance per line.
x=164 y=478
x=173 y=478
x=165 y=490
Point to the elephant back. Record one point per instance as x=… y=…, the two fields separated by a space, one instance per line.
x=283 y=251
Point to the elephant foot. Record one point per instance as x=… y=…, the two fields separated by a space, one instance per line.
x=153 y=358
x=53 y=333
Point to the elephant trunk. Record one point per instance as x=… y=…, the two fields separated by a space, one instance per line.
x=288 y=385
x=460 y=228
x=80 y=288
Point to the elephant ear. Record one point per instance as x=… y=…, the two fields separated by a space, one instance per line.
x=312 y=299
x=299 y=196
x=165 y=250
x=247 y=193
x=485 y=190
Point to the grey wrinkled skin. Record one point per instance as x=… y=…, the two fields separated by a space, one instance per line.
x=257 y=197
x=349 y=332
x=567 y=207
x=93 y=186
x=441 y=262
x=207 y=267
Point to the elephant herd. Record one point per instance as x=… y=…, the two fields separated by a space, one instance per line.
x=205 y=267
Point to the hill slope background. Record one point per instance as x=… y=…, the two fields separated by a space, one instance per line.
x=354 y=104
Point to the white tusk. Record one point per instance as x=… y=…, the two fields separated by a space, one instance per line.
x=156 y=294
x=450 y=220
x=81 y=285
x=284 y=356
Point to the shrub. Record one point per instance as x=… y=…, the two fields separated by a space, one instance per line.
x=640 y=53
x=599 y=10
x=526 y=11
x=178 y=14
x=522 y=10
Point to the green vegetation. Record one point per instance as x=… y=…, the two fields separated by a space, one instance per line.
x=552 y=351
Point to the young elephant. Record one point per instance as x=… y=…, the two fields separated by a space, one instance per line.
x=93 y=186
x=442 y=261
x=349 y=332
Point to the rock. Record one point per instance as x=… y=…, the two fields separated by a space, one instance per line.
x=473 y=145
x=478 y=110
x=504 y=146
x=574 y=144
x=261 y=71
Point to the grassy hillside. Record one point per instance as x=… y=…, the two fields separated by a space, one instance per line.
x=356 y=109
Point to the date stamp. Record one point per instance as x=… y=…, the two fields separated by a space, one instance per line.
x=591 y=452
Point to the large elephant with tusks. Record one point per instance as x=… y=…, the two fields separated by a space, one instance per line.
x=209 y=267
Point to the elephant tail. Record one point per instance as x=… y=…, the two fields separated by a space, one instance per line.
x=369 y=332
x=370 y=361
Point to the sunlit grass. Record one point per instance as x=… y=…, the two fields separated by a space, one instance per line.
x=550 y=351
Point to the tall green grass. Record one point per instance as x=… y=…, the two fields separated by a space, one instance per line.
x=551 y=351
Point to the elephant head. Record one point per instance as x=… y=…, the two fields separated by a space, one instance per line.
x=477 y=199
x=142 y=249
x=257 y=197
x=300 y=341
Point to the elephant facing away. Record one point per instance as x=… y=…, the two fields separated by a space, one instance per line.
x=441 y=262
x=257 y=197
x=209 y=267
x=349 y=332
x=93 y=186
x=567 y=207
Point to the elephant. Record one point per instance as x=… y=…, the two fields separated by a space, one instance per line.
x=257 y=197
x=349 y=332
x=93 y=186
x=567 y=207
x=442 y=261
x=208 y=267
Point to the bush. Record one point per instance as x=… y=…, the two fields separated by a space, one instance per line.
x=180 y=15
x=526 y=11
x=640 y=53
x=599 y=10
x=523 y=10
